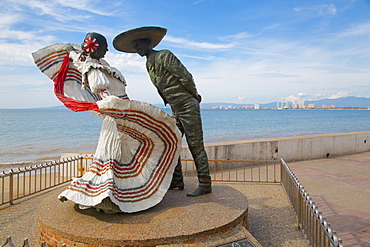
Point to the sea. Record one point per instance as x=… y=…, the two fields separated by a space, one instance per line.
x=33 y=136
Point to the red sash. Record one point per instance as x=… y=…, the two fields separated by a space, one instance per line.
x=70 y=103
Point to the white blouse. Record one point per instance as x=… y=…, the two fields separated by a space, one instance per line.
x=100 y=77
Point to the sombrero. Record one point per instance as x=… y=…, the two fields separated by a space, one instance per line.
x=123 y=41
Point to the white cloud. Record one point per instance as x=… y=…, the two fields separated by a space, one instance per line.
x=324 y=9
x=188 y=44
x=271 y=79
x=327 y=9
x=85 y=5
x=292 y=98
x=9 y=19
x=26 y=37
x=18 y=54
x=198 y=2
x=339 y=95
x=60 y=10
x=131 y=62
x=317 y=96
x=356 y=30
x=16 y=46
x=241 y=35
x=43 y=8
x=246 y=35
x=209 y=58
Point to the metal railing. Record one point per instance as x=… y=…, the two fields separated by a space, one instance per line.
x=310 y=220
x=253 y=171
x=9 y=242
x=24 y=181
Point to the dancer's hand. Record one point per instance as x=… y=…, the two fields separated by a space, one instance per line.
x=70 y=48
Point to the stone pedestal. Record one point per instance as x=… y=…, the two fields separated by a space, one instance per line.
x=214 y=219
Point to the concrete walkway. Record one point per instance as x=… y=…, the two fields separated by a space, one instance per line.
x=340 y=187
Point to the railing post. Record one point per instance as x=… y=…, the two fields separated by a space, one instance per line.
x=11 y=184
x=81 y=168
x=299 y=207
x=25 y=243
x=8 y=241
x=281 y=172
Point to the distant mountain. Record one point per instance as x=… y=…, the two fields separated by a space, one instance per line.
x=43 y=108
x=53 y=107
x=350 y=101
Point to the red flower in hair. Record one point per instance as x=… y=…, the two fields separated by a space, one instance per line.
x=90 y=45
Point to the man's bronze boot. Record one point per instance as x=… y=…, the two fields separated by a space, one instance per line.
x=204 y=187
x=201 y=190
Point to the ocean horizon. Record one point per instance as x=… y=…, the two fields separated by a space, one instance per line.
x=32 y=136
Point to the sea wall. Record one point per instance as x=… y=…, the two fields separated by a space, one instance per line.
x=289 y=148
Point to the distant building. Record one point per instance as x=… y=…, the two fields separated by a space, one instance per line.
x=256 y=106
x=285 y=105
x=311 y=106
x=291 y=105
x=298 y=104
x=247 y=107
x=328 y=106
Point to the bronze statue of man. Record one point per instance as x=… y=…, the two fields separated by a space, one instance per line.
x=177 y=88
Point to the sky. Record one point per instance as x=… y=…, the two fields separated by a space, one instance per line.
x=238 y=51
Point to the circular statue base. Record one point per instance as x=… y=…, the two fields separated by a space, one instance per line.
x=220 y=217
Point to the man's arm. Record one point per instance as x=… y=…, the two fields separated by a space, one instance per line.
x=174 y=65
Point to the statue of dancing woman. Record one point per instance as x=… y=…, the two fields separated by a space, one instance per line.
x=139 y=144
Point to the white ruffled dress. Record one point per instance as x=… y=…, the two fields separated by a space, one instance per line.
x=138 y=147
